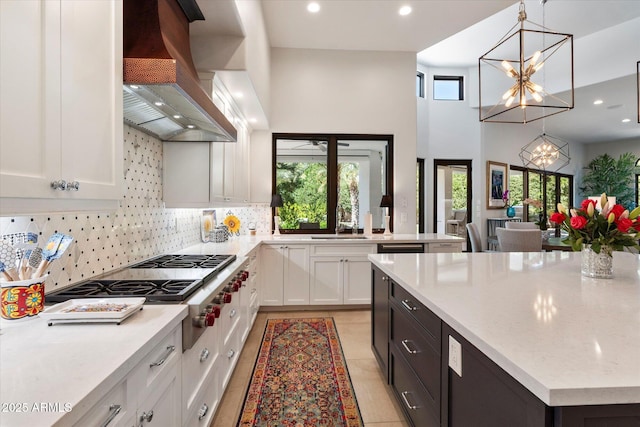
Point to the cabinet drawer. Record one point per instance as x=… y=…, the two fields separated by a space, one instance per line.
x=111 y=410
x=444 y=247
x=338 y=250
x=228 y=358
x=412 y=396
x=425 y=317
x=206 y=402
x=418 y=350
x=197 y=363
x=159 y=360
x=229 y=318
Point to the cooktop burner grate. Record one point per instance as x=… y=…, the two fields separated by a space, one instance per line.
x=152 y=290
x=187 y=261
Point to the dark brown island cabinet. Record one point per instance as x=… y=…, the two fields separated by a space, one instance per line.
x=411 y=345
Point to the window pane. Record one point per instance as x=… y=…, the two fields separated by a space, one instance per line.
x=516 y=191
x=447 y=88
x=550 y=202
x=301 y=179
x=565 y=191
x=361 y=182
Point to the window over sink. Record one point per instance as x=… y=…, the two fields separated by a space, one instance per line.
x=329 y=182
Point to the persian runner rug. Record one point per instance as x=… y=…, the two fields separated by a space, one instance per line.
x=300 y=378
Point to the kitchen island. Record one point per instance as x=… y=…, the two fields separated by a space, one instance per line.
x=530 y=337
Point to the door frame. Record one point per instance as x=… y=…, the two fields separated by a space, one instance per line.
x=452 y=162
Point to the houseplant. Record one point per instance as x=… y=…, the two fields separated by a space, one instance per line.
x=599 y=233
x=604 y=174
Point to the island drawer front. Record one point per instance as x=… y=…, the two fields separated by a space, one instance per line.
x=425 y=317
x=411 y=394
x=444 y=247
x=417 y=349
x=158 y=361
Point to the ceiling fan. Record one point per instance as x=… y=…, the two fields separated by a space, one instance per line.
x=322 y=145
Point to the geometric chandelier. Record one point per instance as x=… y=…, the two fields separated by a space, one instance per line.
x=512 y=80
x=545 y=152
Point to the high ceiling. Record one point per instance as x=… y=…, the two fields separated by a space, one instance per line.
x=454 y=33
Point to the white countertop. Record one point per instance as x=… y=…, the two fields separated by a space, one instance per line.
x=569 y=339
x=243 y=244
x=73 y=364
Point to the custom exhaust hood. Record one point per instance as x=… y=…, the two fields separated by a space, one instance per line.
x=163 y=95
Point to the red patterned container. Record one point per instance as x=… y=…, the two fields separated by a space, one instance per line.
x=22 y=299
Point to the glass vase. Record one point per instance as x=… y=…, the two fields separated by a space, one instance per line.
x=511 y=212
x=599 y=266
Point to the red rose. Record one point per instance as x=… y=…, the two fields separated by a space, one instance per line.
x=578 y=222
x=557 y=217
x=624 y=224
x=585 y=204
x=636 y=225
x=617 y=210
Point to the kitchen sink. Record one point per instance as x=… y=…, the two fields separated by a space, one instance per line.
x=339 y=236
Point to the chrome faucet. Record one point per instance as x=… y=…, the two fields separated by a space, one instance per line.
x=339 y=227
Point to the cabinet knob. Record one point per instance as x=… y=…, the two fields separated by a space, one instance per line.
x=59 y=185
x=146 y=416
x=203 y=411
x=73 y=186
x=204 y=355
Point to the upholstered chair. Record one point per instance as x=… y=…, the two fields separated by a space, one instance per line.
x=519 y=240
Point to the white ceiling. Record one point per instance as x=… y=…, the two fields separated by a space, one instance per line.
x=454 y=33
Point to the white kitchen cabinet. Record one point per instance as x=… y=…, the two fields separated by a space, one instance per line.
x=340 y=274
x=61 y=86
x=113 y=409
x=206 y=174
x=162 y=406
x=284 y=274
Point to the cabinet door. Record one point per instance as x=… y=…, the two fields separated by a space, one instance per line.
x=272 y=275
x=296 y=275
x=162 y=406
x=30 y=88
x=326 y=280
x=380 y=318
x=357 y=280
x=91 y=98
x=229 y=171
x=185 y=174
x=217 y=171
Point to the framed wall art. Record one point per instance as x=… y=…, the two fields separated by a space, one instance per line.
x=497 y=181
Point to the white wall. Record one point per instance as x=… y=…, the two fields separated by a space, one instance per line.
x=452 y=130
x=344 y=92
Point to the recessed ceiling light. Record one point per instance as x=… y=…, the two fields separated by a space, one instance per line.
x=239 y=94
x=252 y=120
x=190 y=126
x=134 y=86
x=177 y=116
x=626 y=120
x=405 y=10
x=313 y=7
x=158 y=103
x=598 y=102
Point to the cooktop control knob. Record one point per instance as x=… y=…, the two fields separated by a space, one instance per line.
x=227 y=297
x=210 y=319
x=216 y=311
x=245 y=275
x=199 y=321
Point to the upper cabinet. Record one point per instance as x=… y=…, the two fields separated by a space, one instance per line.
x=206 y=174
x=61 y=130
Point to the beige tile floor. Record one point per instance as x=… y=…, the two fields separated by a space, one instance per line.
x=378 y=406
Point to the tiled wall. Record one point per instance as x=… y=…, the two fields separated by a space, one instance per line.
x=139 y=229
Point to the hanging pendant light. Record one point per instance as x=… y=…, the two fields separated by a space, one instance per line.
x=514 y=63
x=547 y=153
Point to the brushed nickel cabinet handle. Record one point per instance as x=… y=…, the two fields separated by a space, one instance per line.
x=204 y=355
x=113 y=411
x=406 y=401
x=170 y=349
x=406 y=303
x=59 y=185
x=203 y=411
x=406 y=347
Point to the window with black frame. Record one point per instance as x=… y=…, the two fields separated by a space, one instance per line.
x=536 y=193
x=329 y=182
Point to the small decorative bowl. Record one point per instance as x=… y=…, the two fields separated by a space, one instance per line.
x=22 y=299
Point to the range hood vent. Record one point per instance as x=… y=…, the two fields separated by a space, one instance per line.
x=163 y=95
